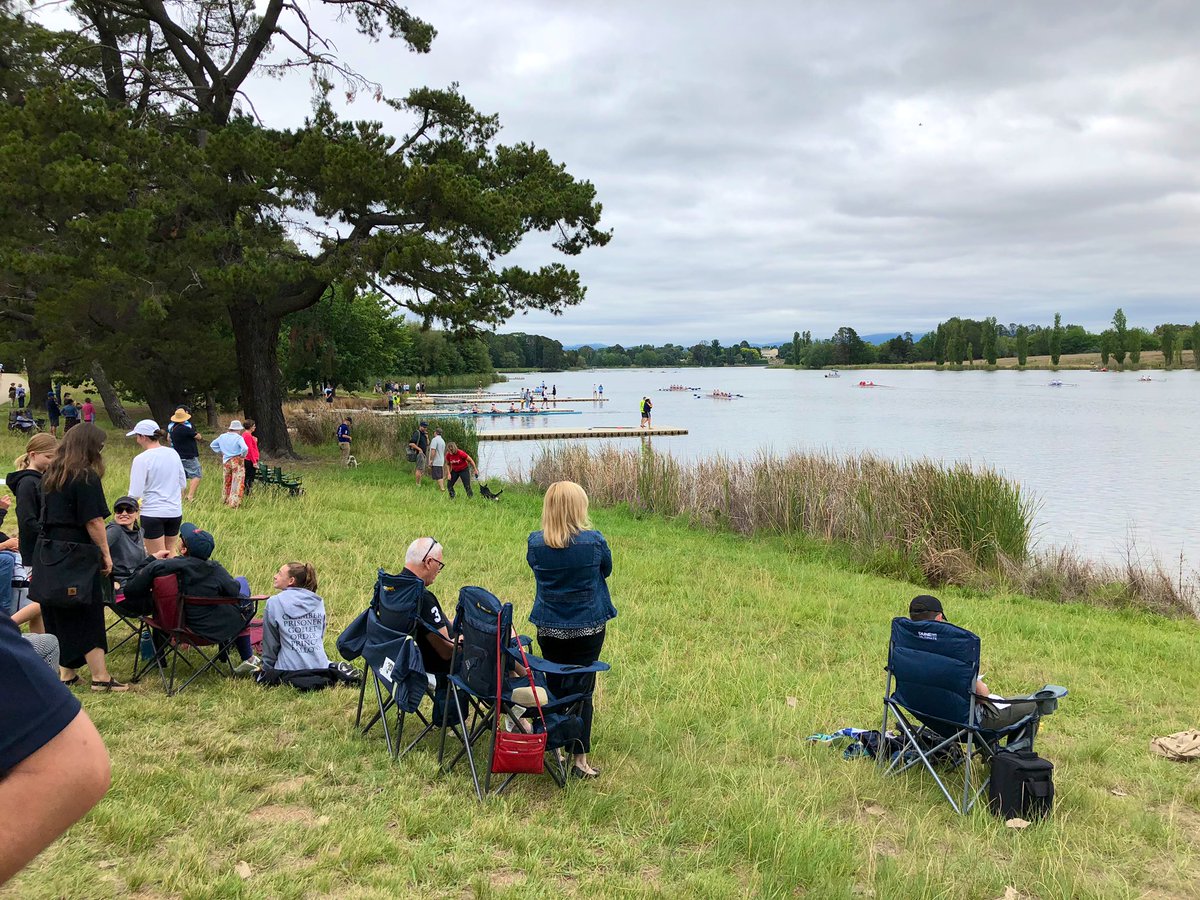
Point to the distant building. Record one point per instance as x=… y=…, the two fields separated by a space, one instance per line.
x=769 y=353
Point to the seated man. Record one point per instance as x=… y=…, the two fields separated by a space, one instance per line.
x=993 y=712
x=199 y=576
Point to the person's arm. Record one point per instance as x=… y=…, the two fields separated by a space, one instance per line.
x=28 y=511
x=139 y=585
x=474 y=467
x=215 y=445
x=605 y=558
x=95 y=530
x=137 y=476
x=53 y=788
x=11 y=544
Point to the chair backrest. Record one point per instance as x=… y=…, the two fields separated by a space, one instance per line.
x=934 y=665
x=391 y=595
x=168 y=611
x=476 y=621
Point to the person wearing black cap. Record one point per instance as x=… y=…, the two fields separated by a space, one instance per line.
x=419 y=444
x=125 y=542
x=992 y=714
x=199 y=576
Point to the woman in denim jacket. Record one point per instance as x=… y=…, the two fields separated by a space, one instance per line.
x=570 y=563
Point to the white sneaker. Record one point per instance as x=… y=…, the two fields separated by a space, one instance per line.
x=248 y=666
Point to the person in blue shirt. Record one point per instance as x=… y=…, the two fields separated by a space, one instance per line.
x=70 y=414
x=343 y=439
x=232 y=447
x=52 y=412
x=571 y=562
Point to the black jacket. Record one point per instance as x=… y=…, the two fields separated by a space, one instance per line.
x=197 y=578
x=26 y=486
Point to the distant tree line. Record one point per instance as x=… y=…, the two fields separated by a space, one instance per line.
x=960 y=341
x=533 y=351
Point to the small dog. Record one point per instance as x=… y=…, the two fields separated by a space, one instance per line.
x=488 y=494
x=351 y=462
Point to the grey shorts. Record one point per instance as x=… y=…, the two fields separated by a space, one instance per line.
x=191 y=468
x=420 y=463
x=438 y=472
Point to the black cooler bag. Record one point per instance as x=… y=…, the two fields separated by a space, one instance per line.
x=1022 y=785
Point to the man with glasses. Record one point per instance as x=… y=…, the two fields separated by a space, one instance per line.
x=422 y=565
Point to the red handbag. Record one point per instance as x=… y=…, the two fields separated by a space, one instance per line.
x=516 y=752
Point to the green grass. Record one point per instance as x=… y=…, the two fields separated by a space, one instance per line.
x=709 y=789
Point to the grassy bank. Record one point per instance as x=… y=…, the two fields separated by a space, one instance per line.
x=1150 y=359
x=728 y=651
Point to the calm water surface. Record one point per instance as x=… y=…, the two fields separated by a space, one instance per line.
x=1111 y=460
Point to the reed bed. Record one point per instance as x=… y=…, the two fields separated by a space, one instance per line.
x=944 y=522
x=375 y=438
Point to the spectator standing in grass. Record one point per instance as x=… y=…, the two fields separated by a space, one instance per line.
x=251 y=453
x=74 y=511
x=571 y=563
x=232 y=447
x=53 y=412
x=26 y=485
x=89 y=410
x=419 y=444
x=70 y=414
x=20 y=396
x=158 y=480
x=437 y=458
x=12 y=393
x=183 y=437
x=54 y=764
x=461 y=466
x=344 y=439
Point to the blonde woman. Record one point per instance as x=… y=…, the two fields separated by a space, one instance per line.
x=26 y=485
x=570 y=562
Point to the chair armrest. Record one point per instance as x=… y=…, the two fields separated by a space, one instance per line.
x=544 y=665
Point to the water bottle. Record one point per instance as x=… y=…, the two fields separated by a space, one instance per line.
x=146 y=645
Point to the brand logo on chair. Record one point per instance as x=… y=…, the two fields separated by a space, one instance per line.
x=927 y=635
x=389 y=665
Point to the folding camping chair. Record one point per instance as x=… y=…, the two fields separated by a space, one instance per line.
x=123 y=622
x=169 y=619
x=399 y=679
x=480 y=616
x=931 y=672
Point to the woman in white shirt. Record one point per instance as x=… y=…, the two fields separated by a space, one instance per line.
x=158 y=480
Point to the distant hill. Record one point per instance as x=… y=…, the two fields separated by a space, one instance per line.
x=877 y=338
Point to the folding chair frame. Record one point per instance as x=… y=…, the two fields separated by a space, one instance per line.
x=386 y=703
x=177 y=635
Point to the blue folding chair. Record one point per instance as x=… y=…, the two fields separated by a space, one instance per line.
x=931 y=672
x=480 y=616
x=393 y=664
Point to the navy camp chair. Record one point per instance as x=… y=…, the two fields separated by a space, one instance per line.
x=473 y=710
x=394 y=665
x=931 y=673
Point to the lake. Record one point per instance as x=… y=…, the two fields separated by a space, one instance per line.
x=1111 y=460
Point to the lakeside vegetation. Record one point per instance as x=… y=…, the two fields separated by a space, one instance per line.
x=727 y=652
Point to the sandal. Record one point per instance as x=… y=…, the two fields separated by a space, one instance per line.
x=110 y=686
x=68 y=682
x=579 y=773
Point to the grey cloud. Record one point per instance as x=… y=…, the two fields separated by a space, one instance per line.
x=773 y=167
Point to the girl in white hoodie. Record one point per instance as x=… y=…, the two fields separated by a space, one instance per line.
x=294 y=623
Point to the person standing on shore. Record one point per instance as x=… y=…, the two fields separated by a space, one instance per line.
x=437 y=457
x=461 y=466
x=647 y=406
x=233 y=451
x=419 y=445
x=251 y=453
x=183 y=436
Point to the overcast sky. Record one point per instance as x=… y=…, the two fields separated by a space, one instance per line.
x=772 y=167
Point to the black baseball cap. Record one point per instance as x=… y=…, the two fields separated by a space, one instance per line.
x=126 y=501
x=924 y=603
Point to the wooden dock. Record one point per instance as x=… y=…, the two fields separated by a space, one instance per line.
x=558 y=434
x=501 y=398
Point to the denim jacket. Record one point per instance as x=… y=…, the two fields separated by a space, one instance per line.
x=571 y=587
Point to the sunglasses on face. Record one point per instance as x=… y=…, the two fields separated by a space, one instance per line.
x=126 y=511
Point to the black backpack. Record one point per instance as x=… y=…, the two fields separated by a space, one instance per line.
x=1022 y=785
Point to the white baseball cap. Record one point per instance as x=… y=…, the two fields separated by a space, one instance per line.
x=146 y=428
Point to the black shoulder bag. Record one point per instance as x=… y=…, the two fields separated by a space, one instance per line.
x=65 y=573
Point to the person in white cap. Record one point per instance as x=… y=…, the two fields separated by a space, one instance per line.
x=157 y=480
x=233 y=450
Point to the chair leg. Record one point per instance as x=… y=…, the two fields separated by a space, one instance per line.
x=467 y=748
x=387 y=736
x=967 y=802
x=362 y=693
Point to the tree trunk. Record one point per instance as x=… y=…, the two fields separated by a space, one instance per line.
x=162 y=403
x=39 y=387
x=210 y=411
x=256 y=340
x=112 y=403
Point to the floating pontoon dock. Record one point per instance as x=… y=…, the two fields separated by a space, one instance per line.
x=558 y=434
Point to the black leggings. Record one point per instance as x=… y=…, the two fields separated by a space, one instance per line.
x=463 y=475
x=581 y=651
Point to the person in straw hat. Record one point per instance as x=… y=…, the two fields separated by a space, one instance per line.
x=183 y=436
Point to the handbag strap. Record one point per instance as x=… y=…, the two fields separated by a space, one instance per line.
x=525 y=662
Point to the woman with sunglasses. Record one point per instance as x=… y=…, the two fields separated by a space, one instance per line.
x=125 y=543
x=571 y=608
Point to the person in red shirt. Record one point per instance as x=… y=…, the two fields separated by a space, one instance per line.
x=89 y=410
x=461 y=467
x=251 y=461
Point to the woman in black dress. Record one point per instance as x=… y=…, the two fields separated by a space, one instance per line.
x=75 y=510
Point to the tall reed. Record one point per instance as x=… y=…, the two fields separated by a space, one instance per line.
x=944 y=521
x=377 y=437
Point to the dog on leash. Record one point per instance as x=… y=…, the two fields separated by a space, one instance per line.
x=488 y=494
x=351 y=462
